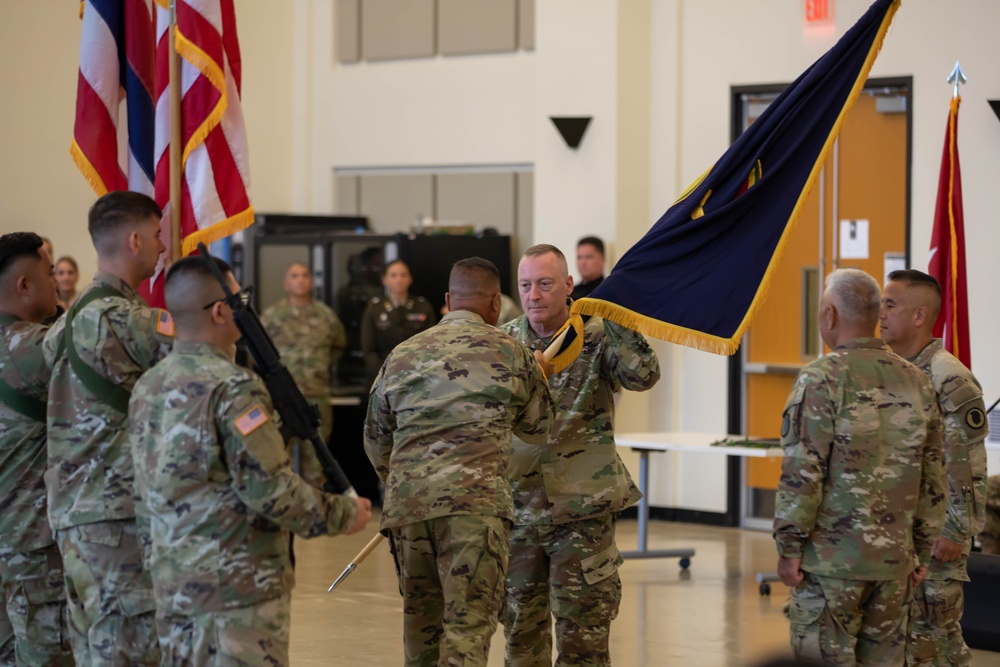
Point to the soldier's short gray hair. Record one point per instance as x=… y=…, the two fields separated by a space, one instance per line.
x=856 y=295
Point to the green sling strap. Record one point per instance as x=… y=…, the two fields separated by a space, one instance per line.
x=29 y=407
x=104 y=389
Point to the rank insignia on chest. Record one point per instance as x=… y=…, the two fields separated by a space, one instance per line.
x=164 y=323
x=251 y=420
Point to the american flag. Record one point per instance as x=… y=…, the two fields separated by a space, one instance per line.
x=250 y=420
x=124 y=57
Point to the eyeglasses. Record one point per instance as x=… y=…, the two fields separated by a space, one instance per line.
x=245 y=296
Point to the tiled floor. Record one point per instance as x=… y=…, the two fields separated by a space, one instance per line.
x=709 y=616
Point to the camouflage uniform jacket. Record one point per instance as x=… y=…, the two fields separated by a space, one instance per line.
x=90 y=475
x=24 y=525
x=963 y=412
x=578 y=473
x=310 y=339
x=440 y=417
x=215 y=491
x=861 y=494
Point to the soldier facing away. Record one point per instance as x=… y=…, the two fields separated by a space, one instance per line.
x=215 y=492
x=861 y=494
x=438 y=432
x=309 y=337
x=567 y=491
x=97 y=351
x=910 y=305
x=33 y=596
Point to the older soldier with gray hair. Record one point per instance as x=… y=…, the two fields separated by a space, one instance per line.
x=438 y=432
x=910 y=305
x=32 y=594
x=215 y=493
x=861 y=495
x=567 y=492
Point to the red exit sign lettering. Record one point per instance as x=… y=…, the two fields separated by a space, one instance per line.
x=818 y=11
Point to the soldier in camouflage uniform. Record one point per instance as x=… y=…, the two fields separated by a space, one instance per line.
x=567 y=492
x=215 y=494
x=309 y=337
x=861 y=495
x=438 y=432
x=32 y=595
x=990 y=537
x=389 y=320
x=97 y=351
x=910 y=306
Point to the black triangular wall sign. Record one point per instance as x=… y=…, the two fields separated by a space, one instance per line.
x=571 y=128
x=996 y=107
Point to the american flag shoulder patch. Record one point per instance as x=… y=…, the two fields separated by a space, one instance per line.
x=251 y=420
x=164 y=323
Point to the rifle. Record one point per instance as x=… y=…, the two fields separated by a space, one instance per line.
x=299 y=419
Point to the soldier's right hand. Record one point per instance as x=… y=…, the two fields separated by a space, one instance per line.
x=364 y=515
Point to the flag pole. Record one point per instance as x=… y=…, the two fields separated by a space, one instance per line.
x=175 y=137
x=357 y=560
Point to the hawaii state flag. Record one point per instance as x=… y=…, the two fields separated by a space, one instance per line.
x=701 y=273
x=124 y=57
x=947 y=255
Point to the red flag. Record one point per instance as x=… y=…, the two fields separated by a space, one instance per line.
x=947 y=256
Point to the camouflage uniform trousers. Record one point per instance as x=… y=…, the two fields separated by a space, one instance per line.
x=849 y=622
x=451 y=576
x=569 y=571
x=254 y=635
x=35 y=632
x=109 y=594
x=935 y=634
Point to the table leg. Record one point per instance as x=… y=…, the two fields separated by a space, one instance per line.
x=643 y=552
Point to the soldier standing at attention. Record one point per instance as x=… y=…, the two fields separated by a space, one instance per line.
x=990 y=537
x=567 y=492
x=389 y=320
x=31 y=574
x=910 y=305
x=216 y=494
x=309 y=337
x=590 y=266
x=97 y=352
x=438 y=432
x=861 y=494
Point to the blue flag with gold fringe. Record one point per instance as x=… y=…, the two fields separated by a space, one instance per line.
x=701 y=273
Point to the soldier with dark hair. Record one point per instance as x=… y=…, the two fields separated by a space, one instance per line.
x=590 y=266
x=438 y=431
x=393 y=318
x=216 y=495
x=910 y=305
x=32 y=594
x=860 y=499
x=97 y=351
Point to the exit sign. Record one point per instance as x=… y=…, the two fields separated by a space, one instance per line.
x=819 y=11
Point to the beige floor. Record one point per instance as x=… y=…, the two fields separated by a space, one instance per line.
x=708 y=616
